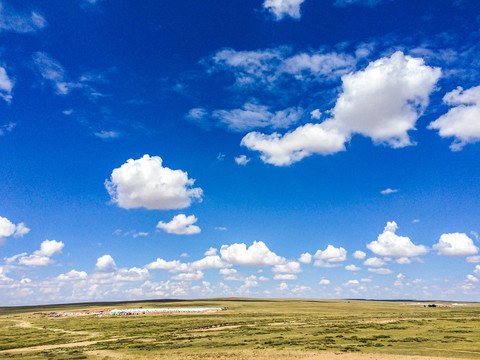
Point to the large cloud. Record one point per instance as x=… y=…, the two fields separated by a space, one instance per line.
x=382 y=102
x=146 y=183
x=455 y=244
x=462 y=121
x=256 y=254
x=390 y=244
x=282 y=8
x=180 y=225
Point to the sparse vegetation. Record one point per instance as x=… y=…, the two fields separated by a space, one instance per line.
x=250 y=328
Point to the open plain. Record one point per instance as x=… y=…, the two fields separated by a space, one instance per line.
x=248 y=329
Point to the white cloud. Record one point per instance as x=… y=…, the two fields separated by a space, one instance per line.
x=11 y=20
x=180 y=225
x=40 y=257
x=7 y=228
x=104 y=134
x=210 y=252
x=352 y=267
x=72 y=275
x=331 y=254
x=477 y=270
x=316 y=114
x=253 y=116
x=242 y=160
x=380 y=271
x=283 y=286
x=266 y=68
x=209 y=262
x=351 y=283
x=324 y=282
x=220 y=228
x=388 y=191
x=283 y=8
x=360 y=255
x=374 y=261
x=382 y=102
x=141 y=233
x=6 y=85
x=285 y=277
x=52 y=71
x=131 y=275
x=403 y=260
x=50 y=247
x=472 y=278
x=461 y=121
x=195 y=276
x=391 y=245
x=146 y=183
x=294 y=146
x=256 y=254
x=455 y=244
x=291 y=267
x=305 y=258
x=105 y=263
x=473 y=259
x=171 y=266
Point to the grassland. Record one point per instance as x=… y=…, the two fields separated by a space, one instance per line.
x=249 y=329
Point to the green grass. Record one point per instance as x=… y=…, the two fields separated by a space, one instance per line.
x=256 y=328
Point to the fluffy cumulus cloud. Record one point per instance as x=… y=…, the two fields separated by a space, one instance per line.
x=382 y=102
x=375 y=262
x=330 y=255
x=11 y=20
x=461 y=121
x=105 y=263
x=352 y=267
x=305 y=258
x=360 y=255
x=257 y=254
x=253 y=116
x=43 y=256
x=455 y=244
x=390 y=244
x=146 y=183
x=282 y=8
x=283 y=150
x=7 y=228
x=180 y=225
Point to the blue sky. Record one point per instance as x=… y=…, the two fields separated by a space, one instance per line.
x=267 y=148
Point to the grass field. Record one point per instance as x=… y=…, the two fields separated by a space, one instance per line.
x=250 y=328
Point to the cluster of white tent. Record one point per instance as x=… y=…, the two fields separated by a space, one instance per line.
x=164 y=310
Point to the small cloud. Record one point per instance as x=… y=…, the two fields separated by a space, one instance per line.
x=415 y=221
x=388 y=191
x=140 y=234
x=352 y=267
x=359 y=255
x=184 y=255
x=242 y=160
x=324 y=282
x=380 y=271
x=316 y=114
x=220 y=157
x=180 y=225
x=104 y=134
x=220 y=228
x=67 y=112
